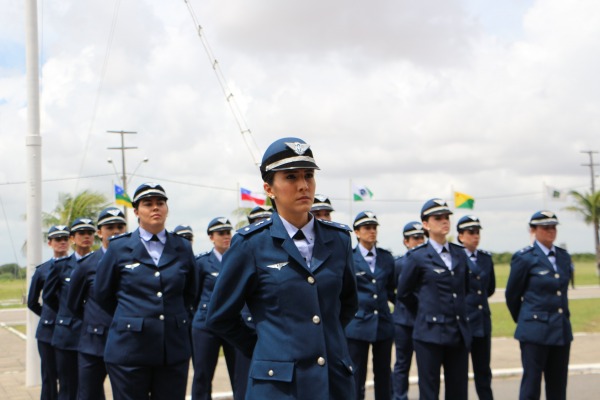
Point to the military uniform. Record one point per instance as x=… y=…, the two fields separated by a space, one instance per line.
x=536 y=296
x=299 y=350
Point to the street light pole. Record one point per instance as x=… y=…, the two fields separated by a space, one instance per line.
x=124 y=170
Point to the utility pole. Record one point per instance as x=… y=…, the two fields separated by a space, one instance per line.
x=595 y=216
x=123 y=148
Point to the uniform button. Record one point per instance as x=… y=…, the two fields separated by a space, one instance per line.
x=458 y=317
x=95 y=329
x=560 y=310
x=321 y=361
x=311 y=280
x=374 y=281
x=454 y=295
x=375 y=312
x=480 y=307
x=159 y=294
x=479 y=292
x=452 y=273
x=434 y=319
x=161 y=317
x=375 y=296
x=204 y=305
x=271 y=373
x=249 y=319
x=316 y=319
x=61 y=321
x=128 y=326
x=478 y=277
x=556 y=276
x=558 y=293
x=350 y=368
x=534 y=316
x=157 y=273
x=185 y=321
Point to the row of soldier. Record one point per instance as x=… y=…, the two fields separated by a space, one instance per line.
x=140 y=308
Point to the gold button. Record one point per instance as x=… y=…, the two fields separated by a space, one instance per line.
x=271 y=373
x=157 y=273
x=159 y=294
x=316 y=319
x=321 y=361
x=161 y=317
x=560 y=310
x=311 y=280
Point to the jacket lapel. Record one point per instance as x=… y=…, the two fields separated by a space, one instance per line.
x=138 y=250
x=322 y=249
x=170 y=251
x=435 y=257
x=543 y=257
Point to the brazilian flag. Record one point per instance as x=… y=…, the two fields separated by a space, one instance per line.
x=462 y=200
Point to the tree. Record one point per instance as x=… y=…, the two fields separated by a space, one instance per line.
x=588 y=206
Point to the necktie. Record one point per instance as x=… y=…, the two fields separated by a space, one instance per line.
x=444 y=250
x=370 y=254
x=551 y=254
x=154 y=238
x=299 y=235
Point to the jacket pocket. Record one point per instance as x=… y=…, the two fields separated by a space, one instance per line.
x=435 y=319
x=541 y=316
x=95 y=329
x=282 y=371
x=347 y=363
x=130 y=324
x=64 y=321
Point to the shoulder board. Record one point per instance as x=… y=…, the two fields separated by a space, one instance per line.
x=460 y=246
x=525 y=249
x=204 y=254
x=61 y=259
x=122 y=235
x=333 y=224
x=419 y=247
x=487 y=253
x=384 y=250
x=255 y=227
x=86 y=256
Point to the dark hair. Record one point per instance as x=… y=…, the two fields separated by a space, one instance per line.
x=269 y=178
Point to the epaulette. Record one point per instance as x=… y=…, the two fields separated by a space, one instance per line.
x=525 y=249
x=384 y=250
x=333 y=224
x=86 y=256
x=122 y=235
x=63 y=258
x=488 y=253
x=460 y=245
x=204 y=254
x=421 y=246
x=255 y=227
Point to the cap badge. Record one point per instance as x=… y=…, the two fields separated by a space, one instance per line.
x=439 y=202
x=222 y=220
x=548 y=214
x=320 y=197
x=298 y=148
x=418 y=226
x=370 y=214
x=86 y=220
x=61 y=227
x=114 y=212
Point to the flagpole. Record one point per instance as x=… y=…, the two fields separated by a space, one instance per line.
x=239 y=190
x=351 y=200
x=544 y=195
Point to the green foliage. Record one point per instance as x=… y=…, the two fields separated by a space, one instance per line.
x=12 y=271
x=85 y=204
x=587 y=205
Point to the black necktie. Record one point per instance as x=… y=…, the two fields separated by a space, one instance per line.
x=299 y=235
x=370 y=254
x=444 y=250
x=154 y=238
x=551 y=254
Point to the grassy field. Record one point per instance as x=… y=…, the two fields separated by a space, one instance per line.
x=585 y=274
x=585 y=317
x=12 y=292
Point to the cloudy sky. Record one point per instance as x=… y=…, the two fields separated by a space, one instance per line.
x=413 y=99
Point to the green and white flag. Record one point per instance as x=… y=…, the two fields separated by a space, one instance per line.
x=361 y=193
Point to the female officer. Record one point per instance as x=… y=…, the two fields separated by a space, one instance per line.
x=433 y=284
x=372 y=325
x=259 y=213
x=296 y=275
x=321 y=207
x=206 y=345
x=482 y=284
x=536 y=296
x=146 y=280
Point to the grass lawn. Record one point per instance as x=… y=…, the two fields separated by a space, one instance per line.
x=585 y=317
x=585 y=274
x=12 y=292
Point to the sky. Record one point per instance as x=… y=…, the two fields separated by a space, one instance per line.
x=412 y=99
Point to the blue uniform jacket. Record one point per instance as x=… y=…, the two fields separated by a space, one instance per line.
x=482 y=284
x=536 y=296
x=373 y=320
x=152 y=305
x=401 y=315
x=208 y=268
x=298 y=350
x=45 y=328
x=95 y=320
x=55 y=292
x=436 y=295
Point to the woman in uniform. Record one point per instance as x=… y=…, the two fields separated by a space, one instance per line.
x=433 y=285
x=146 y=279
x=536 y=296
x=321 y=207
x=296 y=275
x=372 y=326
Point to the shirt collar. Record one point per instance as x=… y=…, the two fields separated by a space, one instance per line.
x=308 y=229
x=438 y=247
x=217 y=254
x=364 y=251
x=544 y=248
x=146 y=236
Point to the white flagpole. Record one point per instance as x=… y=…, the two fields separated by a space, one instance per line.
x=33 y=144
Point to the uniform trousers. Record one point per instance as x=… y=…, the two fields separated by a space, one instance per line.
x=404 y=352
x=455 y=359
x=206 y=346
x=92 y=373
x=49 y=372
x=66 y=364
x=481 y=348
x=382 y=359
x=552 y=362
x=166 y=382
x=242 y=369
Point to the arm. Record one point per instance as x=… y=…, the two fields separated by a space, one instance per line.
x=407 y=283
x=106 y=283
x=391 y=280
x=191 y=291
x=517 y=282
x=35 y=289
x=52 y=286
x=492 y=282
x=348 y=295
x=78 y=290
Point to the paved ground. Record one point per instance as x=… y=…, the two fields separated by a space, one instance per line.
x=584 y=382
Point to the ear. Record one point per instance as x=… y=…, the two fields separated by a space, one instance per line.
x=425 y=224
x=268 y=189
x=135 y=211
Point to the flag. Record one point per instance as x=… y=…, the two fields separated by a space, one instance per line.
x=361 y=193
x=462 y=200
x=248 y=195
x=556 y=194
x=121 y=197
